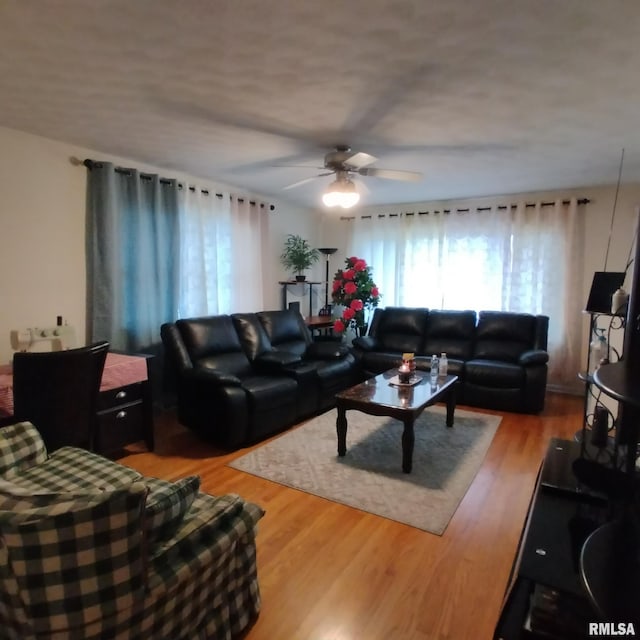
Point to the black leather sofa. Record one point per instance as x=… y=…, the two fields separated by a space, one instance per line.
x=500 y=357
x=242 y=377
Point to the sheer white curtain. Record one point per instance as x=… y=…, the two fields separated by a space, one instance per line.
x=436 y=260
x=546 y=277
x=523 y=258
x=205 y=253
x=249 y=231
x=221 y=240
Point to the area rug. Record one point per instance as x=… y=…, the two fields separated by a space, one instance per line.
x=369 y=477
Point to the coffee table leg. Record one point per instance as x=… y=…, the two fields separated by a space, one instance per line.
x=408 y=439
x=341 y=428
x=451 y=405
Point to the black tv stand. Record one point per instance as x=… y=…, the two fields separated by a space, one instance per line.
x=545 y=598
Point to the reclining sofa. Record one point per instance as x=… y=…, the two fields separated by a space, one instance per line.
x=90 y=549
x=240 y=378
x=500 y=357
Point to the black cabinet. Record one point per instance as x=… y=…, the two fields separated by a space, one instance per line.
x=546 y=598
x=125 y=415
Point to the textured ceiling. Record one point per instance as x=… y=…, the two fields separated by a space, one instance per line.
x=483 y=97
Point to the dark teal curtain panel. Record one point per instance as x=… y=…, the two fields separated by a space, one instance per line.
x=132 y=255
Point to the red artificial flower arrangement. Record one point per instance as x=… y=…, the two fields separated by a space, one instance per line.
x=355 y=290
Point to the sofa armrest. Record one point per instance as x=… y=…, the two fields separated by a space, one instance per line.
x=211 y=376
x=218 y=522
x=21 y=447
x=535 y=356
x=326 y=351
x=366 y=343
x=276 y=361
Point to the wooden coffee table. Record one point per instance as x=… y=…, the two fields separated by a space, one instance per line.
x=378 y=397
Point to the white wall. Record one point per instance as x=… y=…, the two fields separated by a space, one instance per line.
x=42 y=228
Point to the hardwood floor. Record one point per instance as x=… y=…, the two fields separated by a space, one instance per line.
x=330 y=572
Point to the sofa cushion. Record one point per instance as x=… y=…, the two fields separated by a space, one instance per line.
x=379 y=361
x=76 y=559
x=268 y=392
x=21 y=447
x=489 y=373
x=401 y=329
x=208 y=336
x=286 y=330
x=282 y=325
x=451 y=332
x=167 y=504
x=503 y=335
x=253 y=337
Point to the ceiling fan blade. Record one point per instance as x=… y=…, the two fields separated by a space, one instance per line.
x=360 y=159
x=392 y=174
x=301 y=182
x=362 y=187
x=297 y=166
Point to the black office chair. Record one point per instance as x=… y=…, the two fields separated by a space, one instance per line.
x=58 y=391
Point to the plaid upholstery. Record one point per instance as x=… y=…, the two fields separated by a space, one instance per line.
x=76 y=559
x=75 y=470
x=200 y=583
x=21 y=446
x=167 y=505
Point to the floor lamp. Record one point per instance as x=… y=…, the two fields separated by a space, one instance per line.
x=327 y=252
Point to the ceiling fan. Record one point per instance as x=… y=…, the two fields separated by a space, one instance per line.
x=345 y=163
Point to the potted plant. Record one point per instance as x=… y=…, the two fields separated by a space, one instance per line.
x=298 y=255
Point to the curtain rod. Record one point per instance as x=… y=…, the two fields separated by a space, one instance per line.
x=467 y=210
x=147 y=176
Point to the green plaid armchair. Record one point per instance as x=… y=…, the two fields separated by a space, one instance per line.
x=92 y=549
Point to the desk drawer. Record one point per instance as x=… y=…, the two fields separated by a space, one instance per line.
x=120 y=396
x=119 y=427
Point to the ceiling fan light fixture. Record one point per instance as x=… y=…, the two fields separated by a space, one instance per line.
x=341 y=193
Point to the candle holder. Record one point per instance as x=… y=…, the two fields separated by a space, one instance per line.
x=406 y=369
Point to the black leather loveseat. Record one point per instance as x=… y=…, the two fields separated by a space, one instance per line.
x=242 y=377
x=500 y=357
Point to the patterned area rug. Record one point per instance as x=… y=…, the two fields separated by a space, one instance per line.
x=370 y=477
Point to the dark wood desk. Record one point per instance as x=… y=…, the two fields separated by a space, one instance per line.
x=125 y=407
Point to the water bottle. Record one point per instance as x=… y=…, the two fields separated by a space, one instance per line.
x=443 y=369
x=434 y=368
